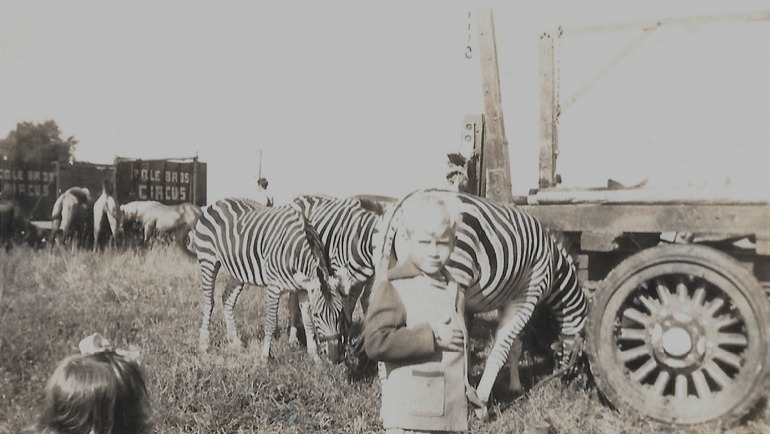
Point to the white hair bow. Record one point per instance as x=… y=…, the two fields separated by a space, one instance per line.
x=96 y=343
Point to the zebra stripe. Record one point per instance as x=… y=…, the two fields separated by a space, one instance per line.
x=506 y=260
x=272 y=247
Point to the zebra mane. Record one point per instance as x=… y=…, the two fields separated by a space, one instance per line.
x=314 y=241
x=384 y=238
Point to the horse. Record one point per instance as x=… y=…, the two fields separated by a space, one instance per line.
x=72 y=214
x=15 y=226
x=159 y=218
x=107 y=205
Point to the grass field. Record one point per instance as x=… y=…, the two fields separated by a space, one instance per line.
x=49 y=301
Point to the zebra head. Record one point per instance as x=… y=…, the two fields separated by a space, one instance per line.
x=329 y=322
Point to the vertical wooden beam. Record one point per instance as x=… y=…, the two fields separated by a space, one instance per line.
x=548 y=113
x=496 y=174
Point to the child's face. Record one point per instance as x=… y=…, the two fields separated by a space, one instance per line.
x=430 y=243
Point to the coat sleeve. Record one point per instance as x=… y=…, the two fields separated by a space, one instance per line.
x=386 y=336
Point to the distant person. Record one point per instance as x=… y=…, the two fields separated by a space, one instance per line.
x=100 y=391
x=263 y=196
x=416 y=326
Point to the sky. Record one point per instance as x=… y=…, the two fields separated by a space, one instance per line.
x=348 y=98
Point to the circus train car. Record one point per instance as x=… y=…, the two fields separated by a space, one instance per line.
x=36 y=186
x=678 y=276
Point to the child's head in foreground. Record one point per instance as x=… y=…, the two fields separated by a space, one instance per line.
x=101 y=393
x=429 y=224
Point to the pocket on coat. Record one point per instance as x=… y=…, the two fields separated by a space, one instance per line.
x=427 y=393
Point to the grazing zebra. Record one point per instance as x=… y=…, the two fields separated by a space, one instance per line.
x=507 y=261
x=272 y=247
x=345 y=227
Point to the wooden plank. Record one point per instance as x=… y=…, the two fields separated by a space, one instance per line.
x=651 y=195
x=548 y=107
x=724 y=219
x=496 y=164
x=675 y=21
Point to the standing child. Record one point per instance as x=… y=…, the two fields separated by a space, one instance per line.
x=415 y=325
x=100 y=391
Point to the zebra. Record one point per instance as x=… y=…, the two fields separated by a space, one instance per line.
x=506 y=260
x=345 y=227
x=274 y=247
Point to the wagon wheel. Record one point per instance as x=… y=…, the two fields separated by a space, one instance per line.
x=679 y=334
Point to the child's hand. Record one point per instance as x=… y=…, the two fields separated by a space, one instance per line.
x=449 y=337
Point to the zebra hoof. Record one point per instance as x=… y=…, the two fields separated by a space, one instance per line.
x=482 y=413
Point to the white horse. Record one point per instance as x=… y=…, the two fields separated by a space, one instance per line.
x=156 y=217
x=106 y=204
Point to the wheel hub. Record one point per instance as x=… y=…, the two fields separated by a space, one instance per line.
x=679 y=345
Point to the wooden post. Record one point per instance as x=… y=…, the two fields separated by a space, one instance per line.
x=548 y=113
x=496 y=175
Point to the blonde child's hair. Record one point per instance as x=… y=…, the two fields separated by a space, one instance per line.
x=102 y=393
x=417 y=207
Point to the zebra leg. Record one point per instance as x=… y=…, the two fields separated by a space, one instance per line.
x=209 y=272
x=571 y=321
x=514 y=385
x=514 y=318
x=229 y=300
x=307 y=322
x=294 y=318
x=273 y=296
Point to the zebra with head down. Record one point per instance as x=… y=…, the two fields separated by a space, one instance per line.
x=506 y=261
x=345 y=227
x=272 y=247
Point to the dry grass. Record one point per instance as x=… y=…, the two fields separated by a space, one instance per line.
x=151 y=299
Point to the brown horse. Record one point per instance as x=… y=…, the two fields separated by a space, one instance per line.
x=159 y=219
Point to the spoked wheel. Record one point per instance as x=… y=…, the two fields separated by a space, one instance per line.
x=679 y=334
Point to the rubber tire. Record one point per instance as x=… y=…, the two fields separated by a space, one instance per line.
x=599 y=357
